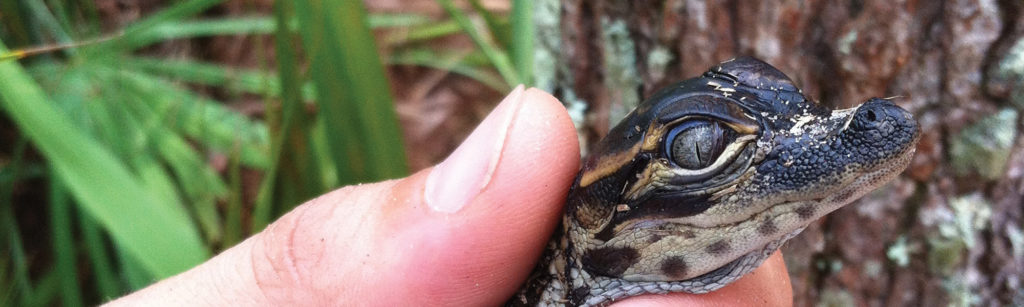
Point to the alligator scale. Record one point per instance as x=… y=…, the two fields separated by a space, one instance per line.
x=706 y=179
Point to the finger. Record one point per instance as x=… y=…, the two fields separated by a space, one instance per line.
x=768 y=285
x=490 y=206
x=463 y=233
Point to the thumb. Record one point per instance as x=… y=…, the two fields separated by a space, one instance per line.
x=466 y=232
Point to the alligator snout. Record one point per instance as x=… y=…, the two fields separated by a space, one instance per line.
x=879 y=125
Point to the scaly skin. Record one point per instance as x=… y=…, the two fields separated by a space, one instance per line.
x=706 y=179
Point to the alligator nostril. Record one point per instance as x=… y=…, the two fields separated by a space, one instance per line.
x=870 y=115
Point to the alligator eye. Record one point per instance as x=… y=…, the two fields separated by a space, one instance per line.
x=697 y=143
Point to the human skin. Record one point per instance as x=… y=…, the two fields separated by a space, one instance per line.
x=466 y=232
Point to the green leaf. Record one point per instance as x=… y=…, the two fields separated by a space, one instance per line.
x=199 y=28
x=233 y=80
x=293 y=174
x=17 y=286
x=423 y=32
x=521 y=48
x=497 y=26
x=46 y=290
x=64 y=247
x=247 y=25
x=157 y=233
x=353 y=93
x=136 y=34
x=451 y=62
x=200 y=118
x=497 y=57
x=382 y=20
x=104 y=273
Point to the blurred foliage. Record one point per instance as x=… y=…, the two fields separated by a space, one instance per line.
x=119 y=142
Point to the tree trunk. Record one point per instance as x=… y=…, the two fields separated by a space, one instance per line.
x=946 y=232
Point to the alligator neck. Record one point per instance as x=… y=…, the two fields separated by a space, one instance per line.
x=546 y=285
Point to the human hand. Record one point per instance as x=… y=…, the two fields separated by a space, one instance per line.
x=466 y=232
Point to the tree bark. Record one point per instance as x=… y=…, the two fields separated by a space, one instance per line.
x=948 y=231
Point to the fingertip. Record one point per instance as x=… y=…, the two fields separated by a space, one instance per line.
x=536 y=168
x=486 y=247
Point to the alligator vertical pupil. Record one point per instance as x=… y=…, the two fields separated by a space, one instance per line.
x=696 y=144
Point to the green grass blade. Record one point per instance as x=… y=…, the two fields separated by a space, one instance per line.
x=136 y=34
x=25 y=172
x=47 y=20
x=133 y=273
x=90 y=23
x=16 y=24
x=320 y=155
x=208 y=121
x=498 y=58
x=199 y=183
x=453 y=63
x=19 y=291
x=244 y=25
x=352 y=90
x=103 y=271
x=498 y=27
x=61 y=13
x=277 y=115
x=64 y=249
x=422 y=33
x=233 y=80
x=295 y=174
x=7 y=294
x=200 y=197
x=247 y=25
x=233 y=210
x=47 y=288
x=158 y=234
x=521 y=47
x=380 y=20
x=200 y=28
x=121 y=113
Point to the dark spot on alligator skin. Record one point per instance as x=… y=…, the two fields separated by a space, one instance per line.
x=674 y=267
x=767 y=228
x=805 y=211
x=610 y=261
x=579 y=294
x=654 y=238
x=718 y=248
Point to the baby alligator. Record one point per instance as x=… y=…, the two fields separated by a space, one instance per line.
x=706 y=179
